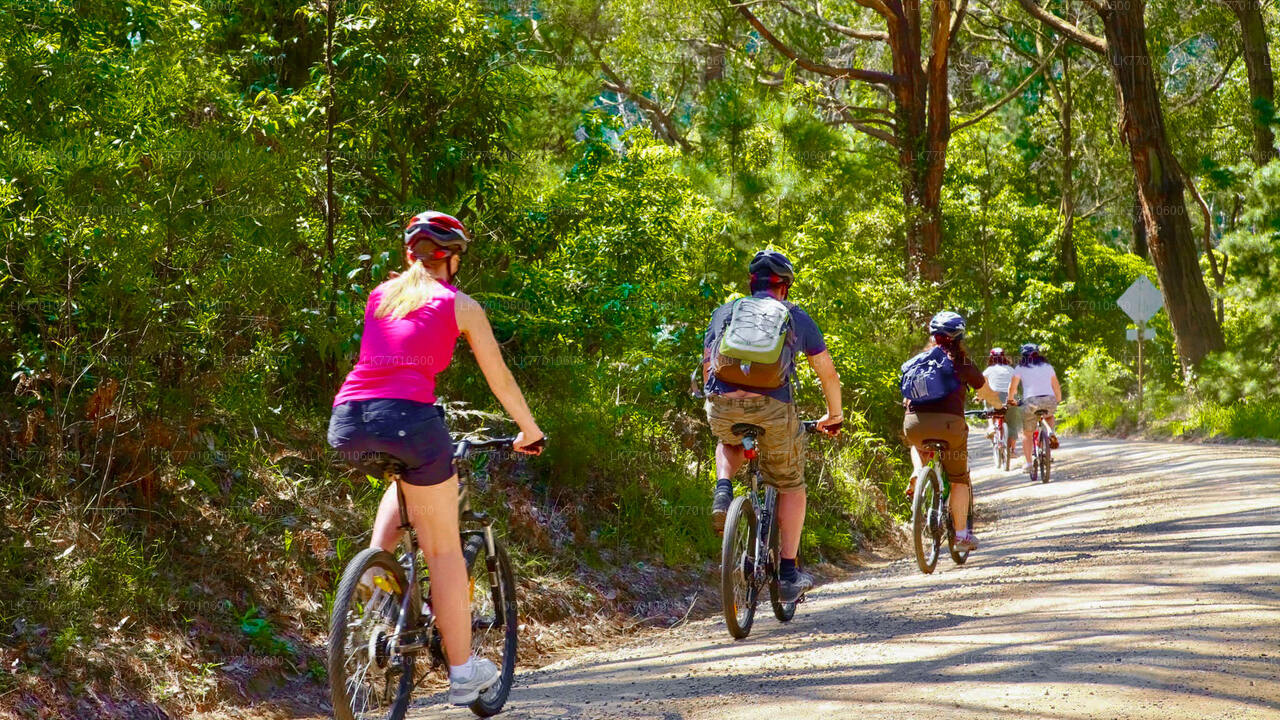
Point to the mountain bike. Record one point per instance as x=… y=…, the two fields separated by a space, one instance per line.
x=930 y=505
x=1041 y=459
x=749 y=556
x=377 y=633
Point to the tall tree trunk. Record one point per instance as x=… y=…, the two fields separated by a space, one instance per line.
x=331 y=11
x=1262 y=88
x=922 y=128
x=921 y=113
x=1066 y=242
x=1160 y=186
x=1138 y=242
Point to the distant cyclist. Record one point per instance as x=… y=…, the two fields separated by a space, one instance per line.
x=759 y=392
x=387 y=404
x=998 y=375
x=1040 y=391
x=943 y=372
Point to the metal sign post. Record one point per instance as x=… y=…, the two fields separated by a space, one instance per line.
x=1141 y=301
x=1142 y=331
x=1138 y=334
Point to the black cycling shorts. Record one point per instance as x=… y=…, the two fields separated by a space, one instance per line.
x=411 y=431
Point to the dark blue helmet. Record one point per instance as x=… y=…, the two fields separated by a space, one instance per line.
x=947 y=323
x=1030 y=349
x=773 y=263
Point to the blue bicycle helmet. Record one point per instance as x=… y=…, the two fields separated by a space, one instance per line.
x=1030 y=349
x=947 y=323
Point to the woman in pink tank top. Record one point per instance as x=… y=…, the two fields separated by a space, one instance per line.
x=387 y=405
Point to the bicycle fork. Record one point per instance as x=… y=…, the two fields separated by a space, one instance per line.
x=491 y=555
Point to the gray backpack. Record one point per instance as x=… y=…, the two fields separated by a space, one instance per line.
x=752 y=348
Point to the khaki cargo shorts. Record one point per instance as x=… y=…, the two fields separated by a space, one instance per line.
x=1030 y=405
x=782 y=445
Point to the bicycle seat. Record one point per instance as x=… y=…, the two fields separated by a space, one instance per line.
x=386 y=463
x=745 y=429
x=937 y=445
x=1041 y=413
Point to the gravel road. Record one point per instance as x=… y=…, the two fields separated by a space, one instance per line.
x=1143 y=582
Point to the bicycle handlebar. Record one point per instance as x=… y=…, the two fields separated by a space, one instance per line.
x=462 y=447
x=995 y=412
x=811 y=426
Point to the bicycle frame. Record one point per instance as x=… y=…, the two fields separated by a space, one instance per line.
x=931 y=462
x=764 y=518
x=419 y=587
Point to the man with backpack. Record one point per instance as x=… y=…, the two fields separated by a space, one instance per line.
x=748 y=361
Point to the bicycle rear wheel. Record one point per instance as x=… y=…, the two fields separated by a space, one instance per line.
x=739 y=590
x=1045 y=460
x=926 y=520
x=368 y=676
x=494 y=622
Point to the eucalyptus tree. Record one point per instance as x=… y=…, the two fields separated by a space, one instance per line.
x=1262 y=85
x=900 y=53
x=1160 y=178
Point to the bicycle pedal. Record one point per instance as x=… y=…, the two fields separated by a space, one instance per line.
x=387 y=584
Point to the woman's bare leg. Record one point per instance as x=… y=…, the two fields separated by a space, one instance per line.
x=433 y=509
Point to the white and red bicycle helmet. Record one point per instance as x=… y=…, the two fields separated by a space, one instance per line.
x=446 y=232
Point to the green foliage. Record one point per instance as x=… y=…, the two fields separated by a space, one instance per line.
x=1098 y=379
x=262 y=635
x=175 y=318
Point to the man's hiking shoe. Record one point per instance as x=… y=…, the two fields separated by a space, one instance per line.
x=719 y=509
x=791 y=591
x=911 y=486
x=966 y=542
x=464 y=691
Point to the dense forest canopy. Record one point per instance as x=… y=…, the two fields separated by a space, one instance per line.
x=196 y=198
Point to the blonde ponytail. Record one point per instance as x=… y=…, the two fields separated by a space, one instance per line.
x=407 y=292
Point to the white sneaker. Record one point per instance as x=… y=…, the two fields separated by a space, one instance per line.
x=464 y=691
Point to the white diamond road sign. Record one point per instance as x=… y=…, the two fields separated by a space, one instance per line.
x=1141 y=300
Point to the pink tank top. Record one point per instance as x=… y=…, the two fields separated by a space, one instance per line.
x=399 y=359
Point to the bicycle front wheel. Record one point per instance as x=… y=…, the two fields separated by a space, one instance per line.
x=494 y=620
x=738 y=587
x=926 y=520
x=368 y=676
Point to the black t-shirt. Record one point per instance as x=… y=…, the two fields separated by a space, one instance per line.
x=953 y=404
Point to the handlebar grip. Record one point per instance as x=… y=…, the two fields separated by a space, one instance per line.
x=536 y=447
x=811 y=426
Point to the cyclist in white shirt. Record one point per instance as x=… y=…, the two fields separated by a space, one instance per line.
x=1040 y=391
x=999 y=375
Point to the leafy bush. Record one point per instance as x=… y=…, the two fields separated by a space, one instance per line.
x=1098 y=380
